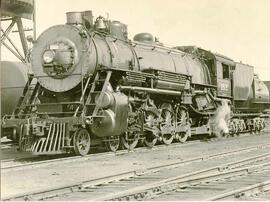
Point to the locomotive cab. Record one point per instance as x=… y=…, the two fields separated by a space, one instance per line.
x=224 y=67
x=220 y=68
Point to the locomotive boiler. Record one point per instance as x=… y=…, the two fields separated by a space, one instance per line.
x=92 y=85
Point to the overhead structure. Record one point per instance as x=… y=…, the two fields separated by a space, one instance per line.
x=12 y=14
x=17 y=8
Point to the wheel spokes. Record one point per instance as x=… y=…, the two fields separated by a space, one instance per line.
x=167 y=127
x=82 y=142
x=183 y=123
x=150 y=128
x=112 y=143
x=130 y=140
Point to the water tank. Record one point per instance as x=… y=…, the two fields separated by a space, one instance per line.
x=13 y=80
x=17 y=8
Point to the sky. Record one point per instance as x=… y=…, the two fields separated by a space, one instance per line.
x=239 y=29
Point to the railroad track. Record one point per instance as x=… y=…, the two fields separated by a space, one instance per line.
x=38 y=161
x=138 y=182
x=234 y=184
x=246 y=190
x=158 y=184
x=18 y=164
x=193 y=186
x=255 y=193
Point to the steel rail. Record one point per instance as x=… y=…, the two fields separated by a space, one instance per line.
x=89 y=156
x=41 y=194
x=258 y=187
x=182 y=181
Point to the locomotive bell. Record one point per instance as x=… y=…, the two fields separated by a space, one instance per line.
x=100 y=23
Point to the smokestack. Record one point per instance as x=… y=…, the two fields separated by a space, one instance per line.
x=80 y=18
x=88 y=19
x=74 y=18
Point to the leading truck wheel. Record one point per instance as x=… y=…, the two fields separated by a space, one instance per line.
x=82 y=142
x=129 y=140
x=112 y=143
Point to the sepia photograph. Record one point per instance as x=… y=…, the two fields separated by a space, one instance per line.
x=124 y=100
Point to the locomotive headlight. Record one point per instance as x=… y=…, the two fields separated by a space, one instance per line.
x=48 y=56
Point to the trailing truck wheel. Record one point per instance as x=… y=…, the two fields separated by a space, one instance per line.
x=82 y=142
x=232 y=128
x=112 y=143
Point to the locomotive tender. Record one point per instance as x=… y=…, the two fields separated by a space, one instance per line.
x=92 y=85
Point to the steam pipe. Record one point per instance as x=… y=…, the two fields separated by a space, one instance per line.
x=214 y=98
x=150 y=90
x=210 y=95
x=218 y=99
x=201 y=113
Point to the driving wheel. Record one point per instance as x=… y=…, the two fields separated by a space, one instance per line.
x=167 y=123
x=183 y=121
x=151 y=130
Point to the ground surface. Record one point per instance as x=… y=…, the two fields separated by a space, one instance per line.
x=47 y=177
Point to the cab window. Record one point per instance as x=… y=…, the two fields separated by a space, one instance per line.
x=226 y=71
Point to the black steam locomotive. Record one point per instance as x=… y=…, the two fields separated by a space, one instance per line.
x=92 y=85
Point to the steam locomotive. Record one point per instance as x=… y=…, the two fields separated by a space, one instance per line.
x=92 y=85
